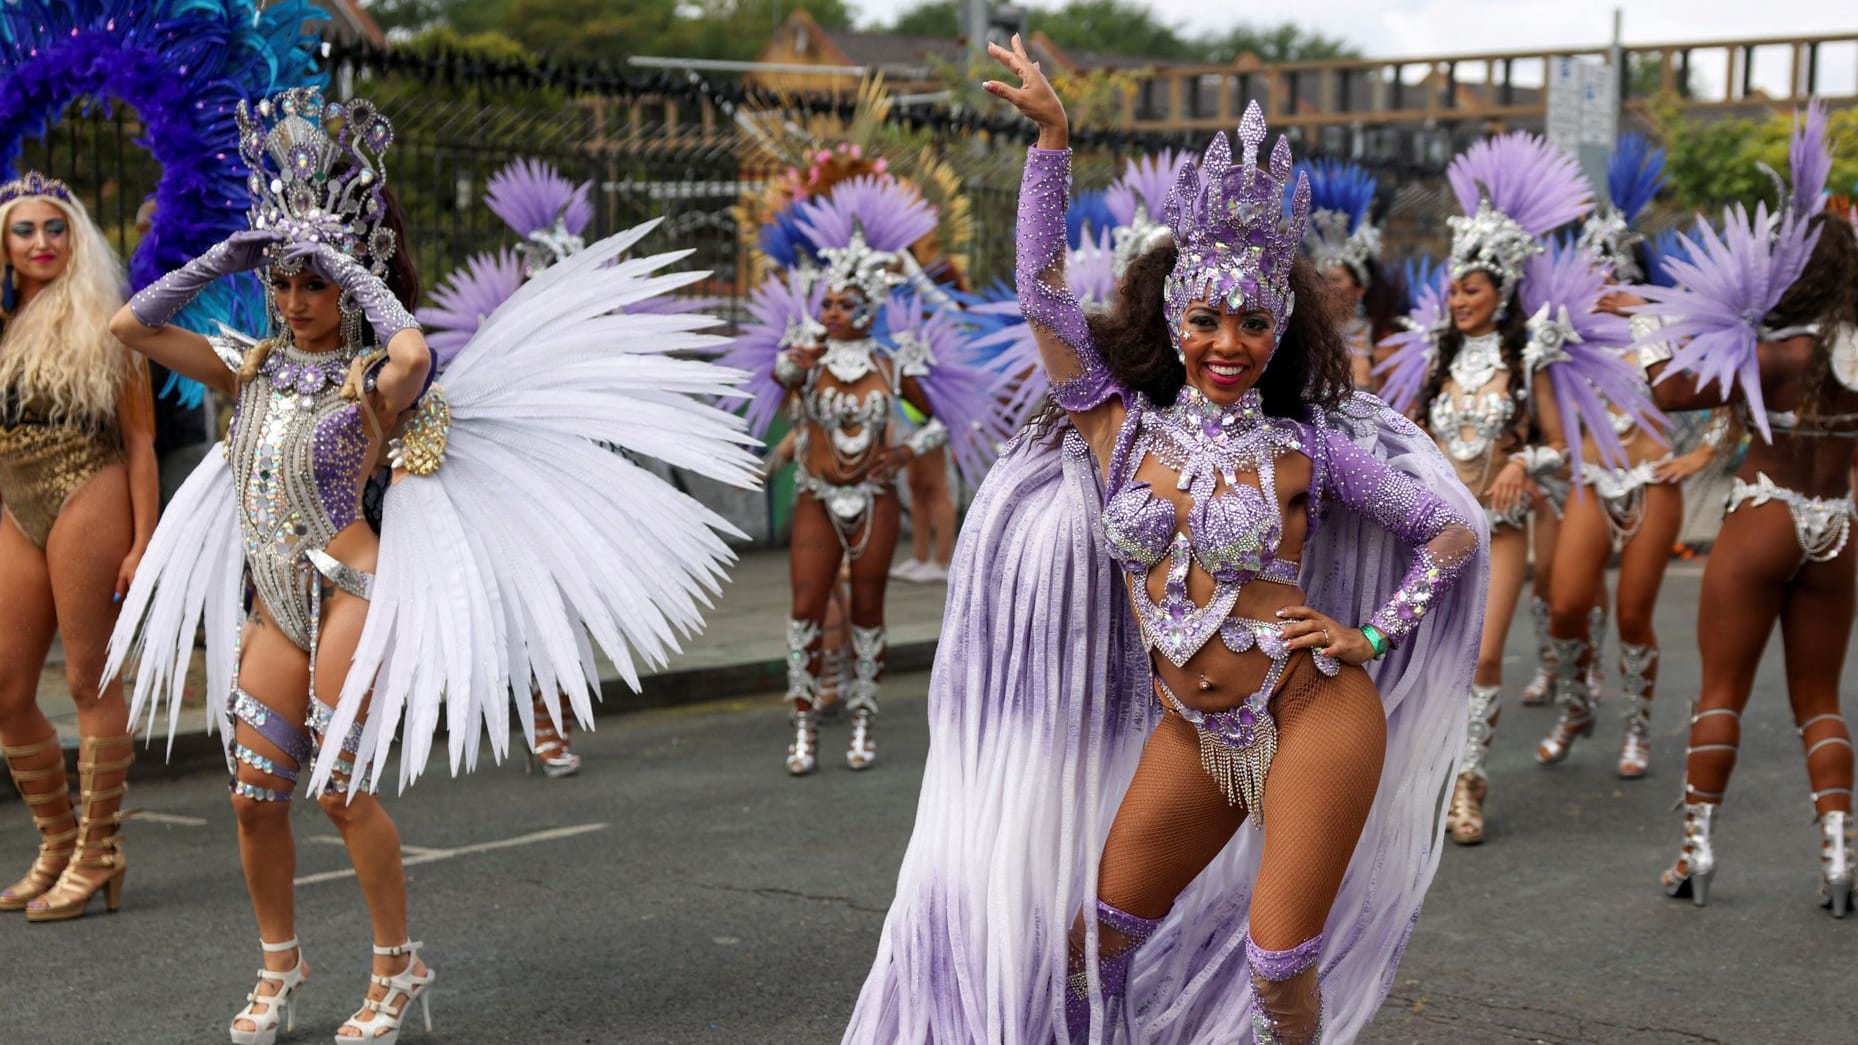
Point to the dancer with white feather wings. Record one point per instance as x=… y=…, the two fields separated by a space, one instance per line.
x=513 y=545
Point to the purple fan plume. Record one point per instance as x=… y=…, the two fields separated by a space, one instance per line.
x=1726 y=287
x=1539 y=186
x=1091 y=271
x=1595 y=375
x=1415 y=348
x=892 y=215
x=466 y=298
x=1809 y=160
x=1634 y=174
x=529 y=195
x=1146 y=180
x=779 y=304
x=963 y=394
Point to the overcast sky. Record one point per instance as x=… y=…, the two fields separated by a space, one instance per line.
x=1386 y=28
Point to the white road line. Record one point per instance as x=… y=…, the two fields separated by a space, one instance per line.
x=412 y=855
x=171 y=819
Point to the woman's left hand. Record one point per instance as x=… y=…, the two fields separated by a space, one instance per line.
x=125 y=574
x=1677 y=469
x=885 y=466
x=1304 y=628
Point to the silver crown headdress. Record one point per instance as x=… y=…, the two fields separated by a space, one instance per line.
x=1341 y=197
x=1514 y=189
x=317 y=172
x=1237 y=242
x=1610 y=238
x=31 y=184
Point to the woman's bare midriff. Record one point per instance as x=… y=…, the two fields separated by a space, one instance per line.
x=820 y=462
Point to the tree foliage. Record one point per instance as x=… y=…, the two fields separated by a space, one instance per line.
x=611 y=30
x=938 y=18
x=1712 y=162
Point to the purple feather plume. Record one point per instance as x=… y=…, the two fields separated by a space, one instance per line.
x=1591 y=376
x=1146 y=180
x=465 y=299
x=529 y=195
x=963 y=394
x=1727 y=285
x=1809 y=160
x=892 y=215
x=1416 y=348
x=1090 y=271
x=779 y=304
x=1539 y=186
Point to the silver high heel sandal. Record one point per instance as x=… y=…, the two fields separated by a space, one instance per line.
x=280 y=1007
x=406 y=986
x=802 y=697
x=1635 y=751
x=1835 y=862
x=1696 y=859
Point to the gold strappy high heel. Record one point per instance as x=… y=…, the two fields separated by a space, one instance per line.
x=57 y=829
x=99 y=844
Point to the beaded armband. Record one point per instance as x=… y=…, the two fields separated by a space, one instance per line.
x=1539 y=461
x=931 y=436
x=1413 y=599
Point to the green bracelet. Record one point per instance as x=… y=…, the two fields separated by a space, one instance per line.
x=1375 y=639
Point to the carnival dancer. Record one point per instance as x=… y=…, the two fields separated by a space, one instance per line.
x=1507 y=375
x=1218 y=410
x=80 y=489
x=512 y=544
x=1634 y=510
x=1765 y=316
x=1345 y=244
x=813 y=345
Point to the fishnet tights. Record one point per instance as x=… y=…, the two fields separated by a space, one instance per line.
x=1173 y=820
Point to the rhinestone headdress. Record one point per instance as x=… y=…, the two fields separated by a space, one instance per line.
x=1634 y=174
x=1237 y=244
x=32 y=183
x=1514 y=189
x=1341 y=195
x=861 y=230
x=317 y=173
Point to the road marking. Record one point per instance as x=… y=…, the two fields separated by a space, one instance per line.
x=411 y=855
x=172 y=819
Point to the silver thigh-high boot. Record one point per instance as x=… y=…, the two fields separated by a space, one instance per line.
x=1287 y=1006
x=802 y=688
x=1690 y=875
x=1576 y=699
x=1540 y=689
x=861 y=694
x=1835 y=862
x=1636 y=663
x=1465 y=818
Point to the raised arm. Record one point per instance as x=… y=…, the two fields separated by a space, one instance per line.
x=144 y=324
x=1081 y=384
x=1443 y=542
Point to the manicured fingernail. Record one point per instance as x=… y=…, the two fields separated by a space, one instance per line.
x=116 y=596
x=1281 y=614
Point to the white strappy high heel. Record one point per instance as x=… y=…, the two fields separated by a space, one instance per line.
x=280 y=1007
x=406 y=986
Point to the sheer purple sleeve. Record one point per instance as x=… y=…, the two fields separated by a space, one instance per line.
x=1078 y=377
x=1357 y=479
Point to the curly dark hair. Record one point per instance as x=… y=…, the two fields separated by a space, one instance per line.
x=1309 y=369
x=1383 y=301
x=1514 y=326
x=1826 y=293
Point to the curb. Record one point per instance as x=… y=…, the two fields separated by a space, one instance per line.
x=199 y=751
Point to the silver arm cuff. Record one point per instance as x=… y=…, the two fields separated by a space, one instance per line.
x=788 y=373
x=1539 y=461
x=932 y=436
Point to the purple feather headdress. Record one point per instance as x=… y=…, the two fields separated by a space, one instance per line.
x=781 y=312
x=1582 y=349
x=1416 y=347
x=1634 y=175
x=1341 y=197
x=1727 y=285
x=1137 y=199
x=1237 y=244
x=314 y=184
x=1514 y=189
x=466 y=298
x=1809 y=160
x=548 y=211
x=862 y=228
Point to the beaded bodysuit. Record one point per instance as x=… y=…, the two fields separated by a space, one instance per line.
x=297 y=452
x=1226 y=460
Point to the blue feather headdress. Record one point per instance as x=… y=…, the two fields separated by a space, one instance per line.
x=1341 y=197
x=1634 y=174
x=183 y=65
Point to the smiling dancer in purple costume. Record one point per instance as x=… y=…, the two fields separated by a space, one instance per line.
x=1256 y=513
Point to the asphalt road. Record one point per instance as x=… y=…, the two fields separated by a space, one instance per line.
x=682 y=889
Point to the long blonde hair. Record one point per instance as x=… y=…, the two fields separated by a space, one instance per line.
x=58 y=349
